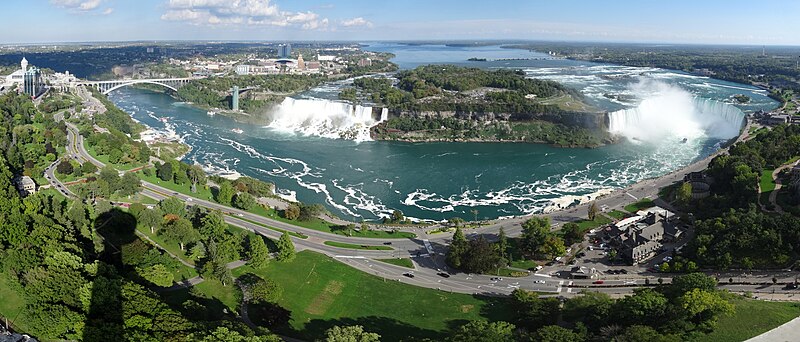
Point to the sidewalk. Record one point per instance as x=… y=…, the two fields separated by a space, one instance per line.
x=789 y=331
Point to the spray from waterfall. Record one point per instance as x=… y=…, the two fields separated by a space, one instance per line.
x=324 y=118
x=669 y=112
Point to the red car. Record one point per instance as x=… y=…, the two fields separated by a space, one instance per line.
x=597 y=282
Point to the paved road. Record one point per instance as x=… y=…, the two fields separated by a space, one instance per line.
x=788 y=332
x=427 y=253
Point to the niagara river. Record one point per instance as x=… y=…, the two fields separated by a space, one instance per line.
x=317 y=150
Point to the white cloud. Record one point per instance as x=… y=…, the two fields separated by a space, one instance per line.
x=240 y=12
x=360 y=21
x=108 y=11
x=78 y=5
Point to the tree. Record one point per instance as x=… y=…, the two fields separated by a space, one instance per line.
x=129 y=184
x=703 y=307
x=292 y=212
x=309 y=212
x=479 y=331
x=165 y=172
x=225 y=193
x=213 y=225
x=502 y=245
x=554 y=333
x=223 y=334
x=572 y=233
x=646 y=306
x=354 y=333
x=172 y=205
x=244 y=201
x=110 y=176
x=591 y=308
x=258 y=254
x=197 y=176
x=260 y=290
x=181 y=231
x=198 y=251
x=684 y=193
x=64 y=167
x=593 y=211
x=88 y=168
x=553 y=246
x=534 y=234
x=151 y=218
x=688 y=282
x=397 y=216
x=480 y=256
x=534 y=312
x=285 y=248
x=157 y=274
x=457 y=248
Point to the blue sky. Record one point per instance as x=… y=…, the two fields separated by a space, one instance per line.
x=678 y=21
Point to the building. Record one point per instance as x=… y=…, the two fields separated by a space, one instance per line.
x=364 y=62
x=285 y=50
x=32 y=84
x=776 y=119
x=242 y=69
x=25 y=185
x=18 y=76
x=641 y=237
x=301 y=64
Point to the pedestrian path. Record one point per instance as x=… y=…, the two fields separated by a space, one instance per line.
x=789 y=331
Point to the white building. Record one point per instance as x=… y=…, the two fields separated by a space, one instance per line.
x=17 y=77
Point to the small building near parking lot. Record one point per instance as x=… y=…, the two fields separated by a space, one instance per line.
x=580 y=272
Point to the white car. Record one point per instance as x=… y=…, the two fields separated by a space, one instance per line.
x=240 y=215
x=538 y=281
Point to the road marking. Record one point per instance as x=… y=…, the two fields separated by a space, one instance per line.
x=632 y=196
x=558 y=290
x=428 y=247
x=560 y=282
x=349 y=257
x=570 y=283
x=569 y=290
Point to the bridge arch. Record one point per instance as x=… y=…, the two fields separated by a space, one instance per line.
x=132 y=82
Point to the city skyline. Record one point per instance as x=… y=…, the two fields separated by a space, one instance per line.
x=717 y=22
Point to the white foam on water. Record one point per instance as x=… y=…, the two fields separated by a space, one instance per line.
x=324 y=118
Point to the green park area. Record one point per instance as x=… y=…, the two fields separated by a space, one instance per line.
x=354 y=246
x=752 y=318
x=321 y=292
x=641 y=204
x=402 y=262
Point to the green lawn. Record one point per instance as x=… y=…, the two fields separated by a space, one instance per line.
x=752 y=318
x=229 y=295
x=172 y=247
x=524 y=264
x=767 y=183
x=599 y=220
x=507 y=272
x=321 y=292
x=186 y=189
x=402 y=262
x=12 y=304
x=325 y=226
x=297 y=235
x=617 y=214
x=642 y=204
x=353 y=246
x=104 y=160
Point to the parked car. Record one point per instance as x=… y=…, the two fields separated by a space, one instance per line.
x=538 y=281
x=409 y=274
x=598 y=282
x=387 y=243
x=623 y=271
x=443 y=275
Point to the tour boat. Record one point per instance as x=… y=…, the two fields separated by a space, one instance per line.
x=210 y=113
x=237 y=131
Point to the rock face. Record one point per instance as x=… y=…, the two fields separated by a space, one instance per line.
x=586 y=120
